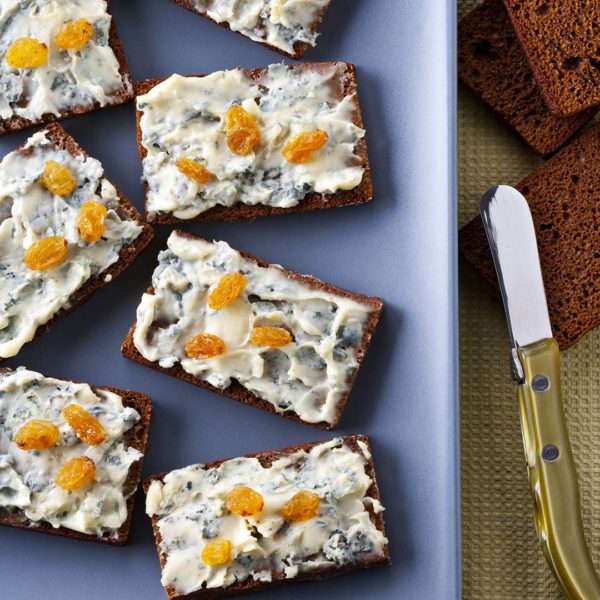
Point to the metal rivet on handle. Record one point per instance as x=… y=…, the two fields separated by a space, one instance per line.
x=550 y=452
x=540 y=383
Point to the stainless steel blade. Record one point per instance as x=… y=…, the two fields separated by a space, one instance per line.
x=509 y=228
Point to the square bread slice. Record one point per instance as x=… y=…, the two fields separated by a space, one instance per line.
x=563 y=195
x=234 y=324
x=70 y=81
x=491 y=62
x=319 y=515
x=39 y=283
x=100 y=510
x=289 y=28
x=562 y=44
x=284 y=101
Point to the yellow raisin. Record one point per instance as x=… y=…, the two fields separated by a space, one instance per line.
x=268 y=335
x=194 y=170
x=301 y=148
x=37 y=434
x=205 y=345
x=27 y=53
x=86 y=426
x=301 y=507
x=244 y=501
x=58 y=179
x=75 y=473
x=90 y=221
x=230 y=286
x=47 y=253
x=74 y=35
x=243 y=134
x=216 y=552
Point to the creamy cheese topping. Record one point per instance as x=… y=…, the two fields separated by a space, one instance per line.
x=29 y=212
x=71 y=77
x=27 y=478
x=308 y=376
x=279 y=23
x=190 y=506
x=184 y=117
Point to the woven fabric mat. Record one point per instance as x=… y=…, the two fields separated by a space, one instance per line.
x=501 y=556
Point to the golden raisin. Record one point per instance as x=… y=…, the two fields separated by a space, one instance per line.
x=301 y=148
x=74 y=35
x=37 y=435
x=205 y=345
x=243 y=134
x=58 y=179
x=230 y=286
x=47 y=253
x=194 y=170
x=27 y=53
x=90 y=221
x=216 y=552
x=301 y=507
x=268 y=335
x=244 y=501
x=86 y=426
x=75 y=473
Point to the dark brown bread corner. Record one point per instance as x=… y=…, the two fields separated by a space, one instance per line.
x=136 y=437
x=361 y=194
x=299 y=47
x=491 y=62
x=125 y=95
x=562 y=44
x=564 y=198
x=239 y=392
x=266 y=459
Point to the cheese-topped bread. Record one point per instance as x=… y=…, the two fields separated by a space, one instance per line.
x=64 y=231
x=58 y=58
x=266 y=336
x=238 y=143
x=250 y=523
x=70 y=455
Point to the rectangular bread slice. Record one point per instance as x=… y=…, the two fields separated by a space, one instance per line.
x=307 y=376
x=101 y=62
x=31 y=300
x=99 y=401
x=491 y=62
x=561 y=42
x=290 y=30
x=346 y=534
x=292 y=100
x=563 y=195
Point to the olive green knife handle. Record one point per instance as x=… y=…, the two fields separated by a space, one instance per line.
x=552 y=472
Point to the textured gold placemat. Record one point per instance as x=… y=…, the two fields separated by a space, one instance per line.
x=501 y=555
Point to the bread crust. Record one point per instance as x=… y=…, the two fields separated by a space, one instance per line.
x=238 y=392
x=361 y=194
x=266 y=458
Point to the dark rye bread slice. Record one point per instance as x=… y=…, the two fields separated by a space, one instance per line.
x=136 y=437
x=359 y=195
x=564 y=197
x=299 y=47
x=126 y=94
x=491 y=62
x=561 y=39
x=127 y=255
x=244 y=587
x=239 y=392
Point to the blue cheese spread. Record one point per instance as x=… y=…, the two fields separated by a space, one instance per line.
x=184 y=117
x=190 y=510
x=70 y=78
x=278 y=23
x=308 y=376
x=27 y=477
x=28 y=213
